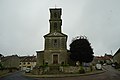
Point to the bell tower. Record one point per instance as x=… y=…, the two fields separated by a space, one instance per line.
x=55 y=20
x=55 y=49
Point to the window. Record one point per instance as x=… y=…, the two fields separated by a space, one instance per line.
x=55 y=26
x=28 y=62
x=28 y=66
x=55 y=15
x=55 y=42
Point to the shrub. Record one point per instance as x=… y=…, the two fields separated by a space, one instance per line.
x=81 y=71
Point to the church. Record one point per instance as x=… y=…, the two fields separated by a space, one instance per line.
x=55 y=47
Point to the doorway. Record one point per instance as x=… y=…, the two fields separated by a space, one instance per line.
x=55 y=59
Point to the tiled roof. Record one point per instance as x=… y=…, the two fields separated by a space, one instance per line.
x=55 y=34
x=8 y=57
x=22 y=57
x=4 y=59
x=29 y=59
x=103 y=57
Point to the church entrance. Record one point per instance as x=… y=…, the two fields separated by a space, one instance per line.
x=55 y=59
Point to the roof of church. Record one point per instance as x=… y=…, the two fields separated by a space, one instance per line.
x=55 y=8
x=56 y=34
x=40 y=51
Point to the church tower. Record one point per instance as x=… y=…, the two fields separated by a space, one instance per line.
x=55 y=48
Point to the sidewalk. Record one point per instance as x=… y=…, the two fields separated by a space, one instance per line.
x=64 y=75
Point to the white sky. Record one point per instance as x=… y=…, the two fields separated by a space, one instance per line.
x=23 y=23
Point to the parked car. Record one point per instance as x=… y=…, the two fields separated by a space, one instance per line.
x=27 y=70
x=113 y=65
x=98 y=66
x=104 y=64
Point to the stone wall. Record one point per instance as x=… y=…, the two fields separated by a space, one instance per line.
x=71 y=69
x=62 y=56
x=76 y=69
x=61 y=69
x=40 y=58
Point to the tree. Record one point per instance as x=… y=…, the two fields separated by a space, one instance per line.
x=81 y=50
x=1 y=55
x=1 y=66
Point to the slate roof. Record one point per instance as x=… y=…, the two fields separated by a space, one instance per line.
x=56 y=34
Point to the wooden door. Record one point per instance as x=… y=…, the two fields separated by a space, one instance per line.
x=55 y=59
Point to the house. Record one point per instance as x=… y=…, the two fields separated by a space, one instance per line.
x=103 y=59
x=116 y=57
x=98 y=59
x=108 y=58
x=10 y=61
x=27 y=62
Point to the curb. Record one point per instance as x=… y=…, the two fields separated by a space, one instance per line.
x=63 y=75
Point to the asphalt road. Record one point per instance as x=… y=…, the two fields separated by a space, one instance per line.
x=110 y=74
x=16 y=76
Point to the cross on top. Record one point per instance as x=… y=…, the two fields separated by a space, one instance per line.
x=55 y=6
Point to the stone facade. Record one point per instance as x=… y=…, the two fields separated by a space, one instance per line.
x=55 y=49
x=10 y=61
x=40 y=58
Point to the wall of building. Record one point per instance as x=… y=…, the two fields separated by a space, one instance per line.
x=62 y=56
x=24 y=65
x=40 y=58
x=11 y=61
x=116 y=58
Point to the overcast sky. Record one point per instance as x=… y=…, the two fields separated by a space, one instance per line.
x=23 y=23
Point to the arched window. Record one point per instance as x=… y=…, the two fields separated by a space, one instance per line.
x=55 y=26
x=55 y=59
x=55 y=15
x=55 y=42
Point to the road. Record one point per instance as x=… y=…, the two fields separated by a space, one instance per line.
x=110 y=74
x=15 y=76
